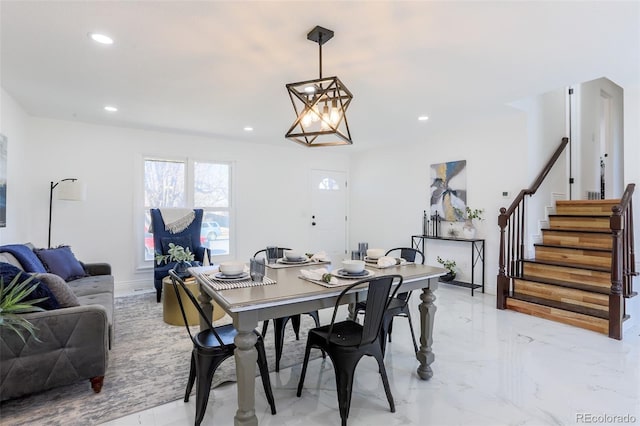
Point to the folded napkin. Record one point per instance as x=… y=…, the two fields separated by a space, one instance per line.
x=316 y=274
x=387 y=261
x=320 y=256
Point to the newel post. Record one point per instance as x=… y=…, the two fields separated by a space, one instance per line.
x=615 y=296
x=503 y=280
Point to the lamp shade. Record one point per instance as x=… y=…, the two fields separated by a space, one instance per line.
x=72 y=190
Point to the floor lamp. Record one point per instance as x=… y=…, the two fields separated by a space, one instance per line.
x=70 y=189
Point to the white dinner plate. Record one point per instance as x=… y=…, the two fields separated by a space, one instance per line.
x=370 y=259
x=294 y=262
x=342 y=274
x=239 y=277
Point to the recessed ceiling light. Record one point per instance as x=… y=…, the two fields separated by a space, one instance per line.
x=101 y=38
x=248 y=129
x=423 y=118
x=110 y=108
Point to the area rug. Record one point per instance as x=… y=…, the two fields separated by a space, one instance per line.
x=148 y=366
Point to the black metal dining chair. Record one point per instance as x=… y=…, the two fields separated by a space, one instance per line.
x=210 y=348
x=347 y=342
x=399 y=305
x=280 y=324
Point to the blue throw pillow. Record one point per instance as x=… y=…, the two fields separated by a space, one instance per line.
x=8 y=272
x=27 y=258
x=62 y=262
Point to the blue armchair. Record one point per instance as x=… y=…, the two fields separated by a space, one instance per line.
x=189 y=237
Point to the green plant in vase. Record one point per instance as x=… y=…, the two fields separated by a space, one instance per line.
x=450 y=266
x=13 y=303
x=182 y=256
x=468 y=215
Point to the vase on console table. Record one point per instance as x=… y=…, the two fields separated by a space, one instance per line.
x=468 y=230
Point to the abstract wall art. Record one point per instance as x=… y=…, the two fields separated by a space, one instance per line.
x=3 y=181
x=449 y=190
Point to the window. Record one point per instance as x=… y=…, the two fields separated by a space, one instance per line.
x=190 y=184
x=328 y=184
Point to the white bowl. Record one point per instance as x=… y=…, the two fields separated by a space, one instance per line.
x=374 y=253
x=293 y=254
x=231 y=268
x=353 y=266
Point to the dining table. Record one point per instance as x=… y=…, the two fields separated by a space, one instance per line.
x=285 y=293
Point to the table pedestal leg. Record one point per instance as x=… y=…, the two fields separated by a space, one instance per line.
x=207 y=308
x=246 y=356
x=427 y=315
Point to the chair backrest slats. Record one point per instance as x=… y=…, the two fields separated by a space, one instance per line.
x=264 y=251
x=179 y=283
x=378 y=296
x=409 y=254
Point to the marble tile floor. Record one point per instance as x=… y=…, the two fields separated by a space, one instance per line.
x=491 y=368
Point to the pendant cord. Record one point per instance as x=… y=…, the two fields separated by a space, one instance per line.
x=320 y=50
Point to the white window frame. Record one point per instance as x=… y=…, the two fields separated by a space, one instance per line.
x=189 y=180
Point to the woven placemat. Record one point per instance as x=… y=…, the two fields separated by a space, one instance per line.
x=228 y=285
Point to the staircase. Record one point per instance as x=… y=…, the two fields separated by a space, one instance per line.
x=583 y=270
x=569 y=280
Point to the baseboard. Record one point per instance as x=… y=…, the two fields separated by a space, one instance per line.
x=124 y=288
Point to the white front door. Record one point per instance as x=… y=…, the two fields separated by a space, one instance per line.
x=328 y=221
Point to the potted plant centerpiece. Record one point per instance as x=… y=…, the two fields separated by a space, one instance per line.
x=450 y=266
x=182 y=256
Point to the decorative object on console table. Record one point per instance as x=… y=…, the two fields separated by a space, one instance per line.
x=450 y=266
x=468 y=214
x=70 y=189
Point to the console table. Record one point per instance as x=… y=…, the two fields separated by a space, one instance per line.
x=477 y=256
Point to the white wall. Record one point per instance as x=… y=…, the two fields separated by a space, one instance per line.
x=13 y=124
x=390 y=187
x=271 y=183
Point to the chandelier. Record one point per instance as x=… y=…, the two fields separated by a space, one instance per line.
x=320 y=105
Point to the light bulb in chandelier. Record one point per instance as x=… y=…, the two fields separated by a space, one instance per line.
x=307 y=119
x=326 y=118
x=335 y=113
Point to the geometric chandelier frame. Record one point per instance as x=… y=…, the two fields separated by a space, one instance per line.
x=320 y=105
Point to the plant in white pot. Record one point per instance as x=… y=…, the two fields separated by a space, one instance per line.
x=468 y=215
x=450 y=266
x=182 y=256
x=13 y=303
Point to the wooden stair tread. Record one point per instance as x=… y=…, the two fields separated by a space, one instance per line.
x=562 y=306
x=590 y=215
x=566 y=284
x=573 y=247
x=567 y=265
x=586 y=231
x=588 y=322
x=612 y=201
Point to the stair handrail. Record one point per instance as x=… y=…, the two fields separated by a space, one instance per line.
x=622 y=260
x=515 y=215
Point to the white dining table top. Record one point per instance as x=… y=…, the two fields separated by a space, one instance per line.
x=290 y=288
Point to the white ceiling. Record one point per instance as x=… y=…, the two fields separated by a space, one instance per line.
x=211 y=67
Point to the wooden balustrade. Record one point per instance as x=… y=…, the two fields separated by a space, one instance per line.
x=512 y=232
x=622 y=261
